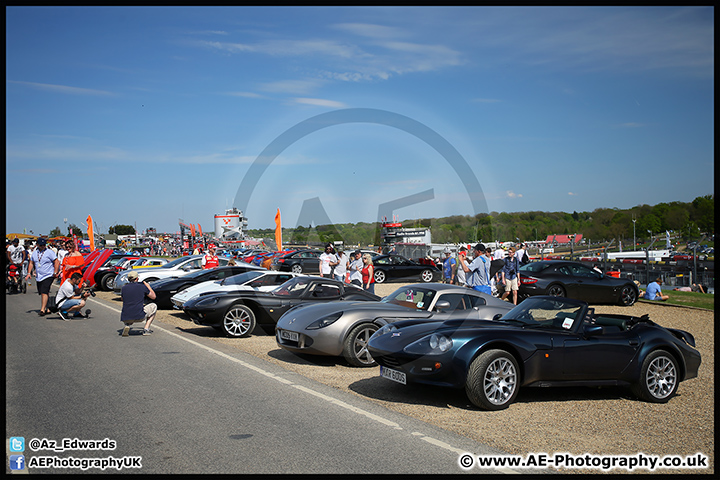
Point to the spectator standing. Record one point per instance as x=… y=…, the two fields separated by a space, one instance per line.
x=70 y=298
x=72 y=262
x=45 y=265
x=356 y=267
x=342 y=265
x=16 y=255
x=210 y=260
x=478 y=272
x=133 y=297
x=460 y=272
x=499 y=253
x=328 y=260
x=449 y=267
x=368 y=273
x=510 y=275
x=521 y=254
x=654 y=291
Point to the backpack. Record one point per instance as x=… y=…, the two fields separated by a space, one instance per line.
x=51 y=305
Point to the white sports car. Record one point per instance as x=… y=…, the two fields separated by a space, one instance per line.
x=259 y=280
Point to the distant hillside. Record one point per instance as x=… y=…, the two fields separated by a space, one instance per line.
x=602 y=224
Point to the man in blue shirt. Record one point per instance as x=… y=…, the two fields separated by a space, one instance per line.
x=46 y=266
x=478 y=271
x=449 y=267
x=654 y=292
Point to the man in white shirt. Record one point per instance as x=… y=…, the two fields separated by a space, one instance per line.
x=341 y=267
x=70 y=298
x=327 y=261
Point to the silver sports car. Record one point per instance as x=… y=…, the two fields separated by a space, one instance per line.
x=344 y=328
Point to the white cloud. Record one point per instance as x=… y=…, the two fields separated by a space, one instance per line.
x=64 y=89
x=572 y=194
x=511 y=194
x=320 y=102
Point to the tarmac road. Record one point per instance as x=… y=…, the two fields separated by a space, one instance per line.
x=188 y=404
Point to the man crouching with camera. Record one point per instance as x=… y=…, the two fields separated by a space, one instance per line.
x=134 y=308
x=70 y=298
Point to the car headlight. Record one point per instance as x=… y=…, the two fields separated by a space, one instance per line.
x=435 y=344
x=325 y=321
x=387 y=328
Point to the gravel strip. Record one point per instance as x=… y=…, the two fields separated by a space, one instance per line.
x=601 y=421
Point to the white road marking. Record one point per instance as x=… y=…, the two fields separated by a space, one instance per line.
x=360 y=411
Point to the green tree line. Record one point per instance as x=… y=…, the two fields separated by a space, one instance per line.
x=688 y=220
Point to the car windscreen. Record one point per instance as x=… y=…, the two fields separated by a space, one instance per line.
x=294 y=287
x=241 y=278
x=534 y=267
x=543 y=312
x=176 y=262
x=411 y=297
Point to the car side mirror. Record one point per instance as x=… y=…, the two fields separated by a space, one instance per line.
x=442 y=305
x=592 y=330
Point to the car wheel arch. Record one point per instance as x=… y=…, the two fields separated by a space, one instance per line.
x=478 y=350
x=677 y=356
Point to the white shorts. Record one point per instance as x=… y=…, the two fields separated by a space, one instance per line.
x=511 y=284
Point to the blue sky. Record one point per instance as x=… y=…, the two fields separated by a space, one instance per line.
x=144 y=116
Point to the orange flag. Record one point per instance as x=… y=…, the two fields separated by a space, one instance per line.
x=199 y=230
x=90 y=233
x=278 y=231
x=192 y=230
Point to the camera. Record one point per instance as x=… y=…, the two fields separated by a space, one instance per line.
x=90 y=290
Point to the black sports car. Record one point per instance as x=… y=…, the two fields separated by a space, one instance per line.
x=393 y=267
x=165 y=288
x=238 y=313
x=303 y=261
x=561 y=278
x=544 y=341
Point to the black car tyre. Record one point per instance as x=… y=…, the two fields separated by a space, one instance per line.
x=628 y=296
x=556 y=290
x=355 y=346
x=151 y=279
x=659 y=379
x=493 y=380
x=297 y=268
x=108 y=282
x=379 y=276
x=239 y=321
x=426 y=276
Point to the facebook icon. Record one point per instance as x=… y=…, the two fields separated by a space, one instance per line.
x=17 y=462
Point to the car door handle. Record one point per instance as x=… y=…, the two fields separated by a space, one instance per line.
x=634 y=343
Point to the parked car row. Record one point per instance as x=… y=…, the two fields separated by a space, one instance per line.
x=445 y=335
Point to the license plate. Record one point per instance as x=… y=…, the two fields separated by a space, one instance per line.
x=292 y=336
x=393 y=375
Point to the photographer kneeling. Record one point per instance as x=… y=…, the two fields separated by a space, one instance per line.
x=134 y=308
x=70 y=298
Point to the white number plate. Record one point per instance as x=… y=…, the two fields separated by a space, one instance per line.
x=292 y=336
x=393 y=375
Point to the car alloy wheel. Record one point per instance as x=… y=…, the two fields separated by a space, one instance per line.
x=108 y=282
x=239 y=321
x=379 y=276
x=493 y=381
x=355 y=346
x=628 y=296
x=426 y=276
x=658 y=377
x=556 y=291
x=297 y=268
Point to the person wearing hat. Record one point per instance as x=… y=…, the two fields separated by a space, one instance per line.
x=46 y=266
x=449 y=267
x=478 y=272
x=16 y=256
x=134 y=309
x=210 y=260
x=328 y=260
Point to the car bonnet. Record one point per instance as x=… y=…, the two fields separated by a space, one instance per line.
x=305 y=314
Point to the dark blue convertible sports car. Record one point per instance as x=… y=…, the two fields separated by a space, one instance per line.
x=544 y=341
